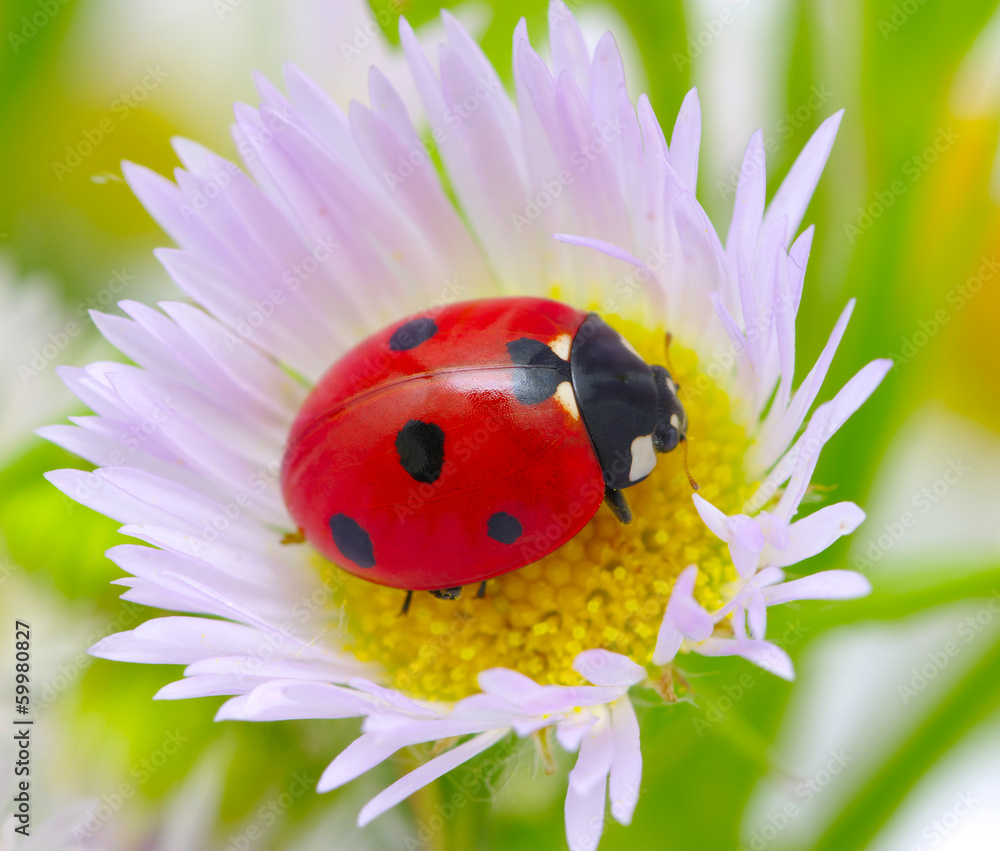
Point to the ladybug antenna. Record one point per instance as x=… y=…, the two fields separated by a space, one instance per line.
x=687 y=470
x=666 y=354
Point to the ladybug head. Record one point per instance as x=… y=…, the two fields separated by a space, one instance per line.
x=630 y=408
x=671 y=420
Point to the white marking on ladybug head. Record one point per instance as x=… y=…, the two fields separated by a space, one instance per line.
x=560 y=345
x=675 y=421
x=643 y=458
x=567 y=398
x=671 y=386
x=629 y=346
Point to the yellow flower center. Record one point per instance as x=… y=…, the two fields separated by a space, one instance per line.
x=607 y=587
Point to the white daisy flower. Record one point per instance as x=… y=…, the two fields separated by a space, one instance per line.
x=348 y=226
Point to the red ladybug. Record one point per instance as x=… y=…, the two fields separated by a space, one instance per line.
x=467 y=442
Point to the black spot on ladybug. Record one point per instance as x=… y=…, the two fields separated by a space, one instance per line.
x=421 y=450
x=352 y=541
x=527 y=352
x=411 y=334
x=542 y=370
x=504 y=527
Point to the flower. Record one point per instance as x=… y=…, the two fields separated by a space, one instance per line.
x=348 y=227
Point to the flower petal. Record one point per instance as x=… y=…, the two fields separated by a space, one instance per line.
x=757 y=615
x=604 y=668
x=715 y=519
x=359 y=757
x=626 y=764
x=179 y=640
x=684 y=618
x=776 y=433
x=427 y=773
x=746 y=543
x=685 y=141
x=800 y=461
x=813 y=534
x=569 y=50
x=284 y=700
x=825 y=585
x=508 y=684
x=587 y=790
x=764 y=654
x=796 y=189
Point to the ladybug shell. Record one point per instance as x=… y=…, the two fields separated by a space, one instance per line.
x=428 y=458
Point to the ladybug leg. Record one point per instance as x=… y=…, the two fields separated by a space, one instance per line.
x=406 y=604
x=482 y=590
x=615 y=500
x=297 y=537
x=447 y=593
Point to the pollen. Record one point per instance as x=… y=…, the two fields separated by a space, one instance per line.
x=607 y=587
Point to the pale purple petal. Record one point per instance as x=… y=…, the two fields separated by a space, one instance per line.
x=411 y=178
x=686 y=141
x=605 y=248
x=716 y=520
x=786 y=307
x=815 y=533
x=796 y=189
x=689 y=616
x=283 y=700
x=482 y=69
x=564 y=698
x=742 y=533
x=427 y=773
x=596 y=753
x=823 y=425
x=699 y=243
x=604 y=668
x=733 y=330
x=179 y=641
x=746 y=542
x=360 y=756
x=206 y=685
x=391 y=697
x=573 y=727
x=825 y=585
x=778 y=432
x=764 y=654
x=626 y=764
x=776 y=533
x=508 y=684
x=669 y=641
x=274 y=668
x=684 y=618
x=569 y=50
x=748 y=209
x=756 y=608
x=587 y=790
x=479 y=708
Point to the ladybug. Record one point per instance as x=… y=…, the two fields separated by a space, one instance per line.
x=469 y=441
